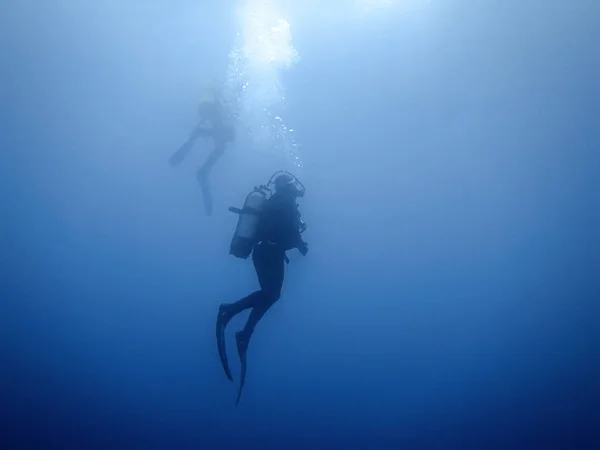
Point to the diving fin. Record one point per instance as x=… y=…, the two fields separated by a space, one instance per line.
x=206 y=198
x=180 y=154
x=242 y=347
x=206 y=195
x=221 y=322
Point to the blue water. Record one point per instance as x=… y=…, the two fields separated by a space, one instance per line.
x=449 y=299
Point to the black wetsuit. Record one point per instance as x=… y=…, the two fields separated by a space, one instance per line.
x=279 y=231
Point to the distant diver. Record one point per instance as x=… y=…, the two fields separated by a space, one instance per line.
x=213 y=123
x=269 y=224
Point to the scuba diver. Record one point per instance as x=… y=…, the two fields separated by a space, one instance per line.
x=213 y=123
x=269 y=224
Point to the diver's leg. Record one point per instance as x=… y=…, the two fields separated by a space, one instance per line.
x=264 y=265
x=256 y=313
x=269 y=263
x=228 y=310
x=203 y=172
x=270 y=268
x=212 y=159
x=207 y=198
x=180 y=154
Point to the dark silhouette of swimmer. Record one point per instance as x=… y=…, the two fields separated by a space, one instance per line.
x=279 y=230
x=215 y=124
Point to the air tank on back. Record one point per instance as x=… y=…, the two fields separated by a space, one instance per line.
x=244 y=237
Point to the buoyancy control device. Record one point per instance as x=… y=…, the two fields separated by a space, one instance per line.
x=245 y=235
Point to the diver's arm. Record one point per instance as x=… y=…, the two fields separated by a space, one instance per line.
x=302 y=248
x=301 y=245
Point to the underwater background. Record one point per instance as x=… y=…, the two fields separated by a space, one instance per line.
x=450 y=152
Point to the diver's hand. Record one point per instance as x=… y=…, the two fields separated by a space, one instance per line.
x=303 y=248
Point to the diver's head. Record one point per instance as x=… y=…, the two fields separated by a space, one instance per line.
x=288 y=185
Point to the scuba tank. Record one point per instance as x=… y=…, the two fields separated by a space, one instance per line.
x=245 y=236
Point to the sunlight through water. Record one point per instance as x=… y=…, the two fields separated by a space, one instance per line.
x=373 y=4
x=262 y=50
x=385 y=8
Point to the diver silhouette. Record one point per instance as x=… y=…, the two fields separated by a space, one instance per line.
x=268 y=226
x=215 y=124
